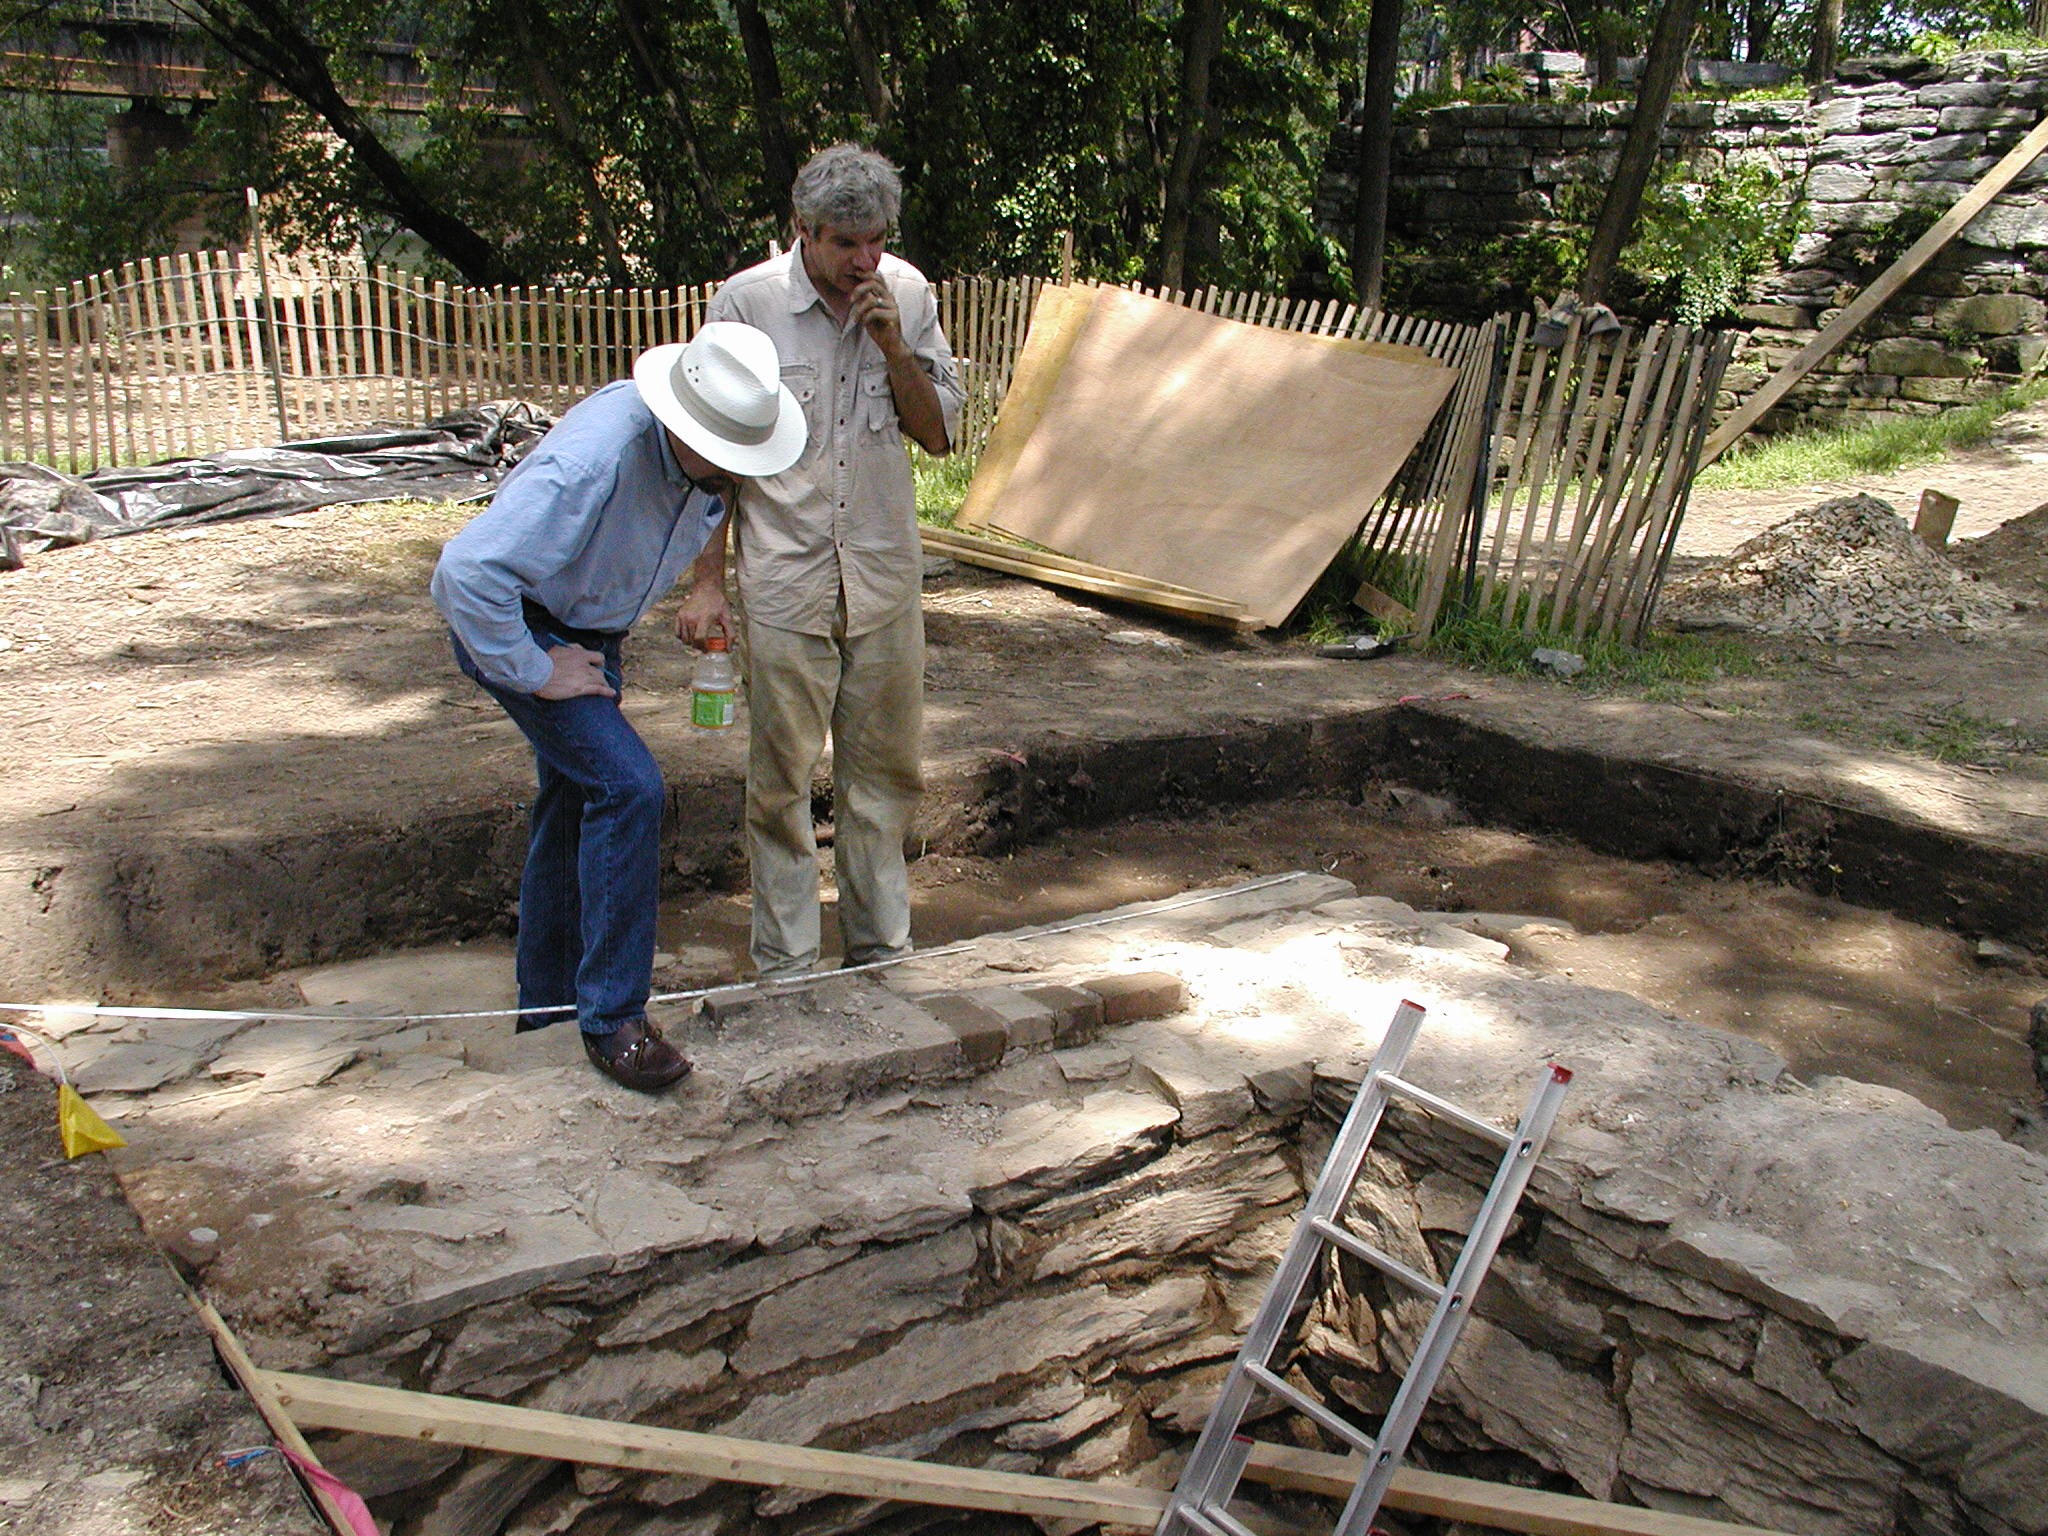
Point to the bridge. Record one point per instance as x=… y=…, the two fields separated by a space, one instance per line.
x=146 y=50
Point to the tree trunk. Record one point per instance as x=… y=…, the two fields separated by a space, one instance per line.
x=1375 y=151
x=2037 y=17
x=1827 y=37
x=267 y=37
x=1203 y=31
x=657 y=74
x=570 y=140
x=1606 y=46
x=1662 y=67
x=867 y=64
x=771 y=114
x=1762 y=20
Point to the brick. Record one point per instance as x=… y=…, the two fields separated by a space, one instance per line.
x=1025 y=1022
x=1145 y=995
x=1074 y=1012
x=725 y=1006
x=982 y=1035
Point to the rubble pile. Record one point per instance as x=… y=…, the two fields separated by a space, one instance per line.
x=1847 y=566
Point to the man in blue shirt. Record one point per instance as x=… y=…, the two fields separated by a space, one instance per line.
x=587 y=533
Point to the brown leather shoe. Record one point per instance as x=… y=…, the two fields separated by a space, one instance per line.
x=635 y=1056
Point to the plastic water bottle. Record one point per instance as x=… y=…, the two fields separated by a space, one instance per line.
x=714 y=691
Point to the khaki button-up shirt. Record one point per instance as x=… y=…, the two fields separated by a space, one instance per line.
x=843 y=518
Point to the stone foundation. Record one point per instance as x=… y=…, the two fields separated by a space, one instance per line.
x=1014 y=1207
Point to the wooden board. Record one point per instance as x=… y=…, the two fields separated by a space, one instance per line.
x=1080 y=576
x=317 y=1403
x=1494 y=1505
x=1056 y=319
x=1176 y=445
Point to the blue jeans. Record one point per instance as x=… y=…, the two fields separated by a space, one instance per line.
x=593 y=874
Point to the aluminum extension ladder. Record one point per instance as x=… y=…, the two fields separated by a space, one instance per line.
x=1199 y=1506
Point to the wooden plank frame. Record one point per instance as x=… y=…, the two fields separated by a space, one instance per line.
x=314 y=1402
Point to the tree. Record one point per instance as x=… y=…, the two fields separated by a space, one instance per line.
x=771 y=116
x=1201 y=43
x=1662 y=68
x=1827 y=35
x=1375 y=150
x=273 y=40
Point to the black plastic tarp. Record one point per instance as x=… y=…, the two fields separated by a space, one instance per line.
x=460 y=457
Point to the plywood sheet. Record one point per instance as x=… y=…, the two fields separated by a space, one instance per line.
x=1206 y=452
x=1056 y=320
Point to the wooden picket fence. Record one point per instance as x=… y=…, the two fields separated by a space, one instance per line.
x=1553 y=481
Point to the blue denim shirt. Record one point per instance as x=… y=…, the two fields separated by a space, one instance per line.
x=595 y=524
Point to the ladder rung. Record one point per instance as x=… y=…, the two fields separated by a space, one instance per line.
x=1349 y=1433
x=1216 y=1522
x=1447 y=1110
x=1386 y=1264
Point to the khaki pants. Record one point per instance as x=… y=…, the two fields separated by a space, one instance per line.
x=868 y=691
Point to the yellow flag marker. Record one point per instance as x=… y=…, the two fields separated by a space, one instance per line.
x=81 y=1127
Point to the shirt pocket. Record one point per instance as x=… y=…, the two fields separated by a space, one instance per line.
x=878 y=401
x=801 y=380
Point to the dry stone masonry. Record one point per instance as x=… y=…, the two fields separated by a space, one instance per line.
x=1014 y=1207
x=1876 y=162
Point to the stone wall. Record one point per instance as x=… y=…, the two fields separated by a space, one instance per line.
x=1015 y=1209
x=1895 y=144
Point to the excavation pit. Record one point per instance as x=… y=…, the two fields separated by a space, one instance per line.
x=315 y=796
x=956 y=1212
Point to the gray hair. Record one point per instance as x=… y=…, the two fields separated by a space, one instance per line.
x=853 y=188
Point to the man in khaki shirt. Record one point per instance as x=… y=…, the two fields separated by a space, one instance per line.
x=830 y=567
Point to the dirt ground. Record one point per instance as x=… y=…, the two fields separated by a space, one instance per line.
x=112 y=1417
x=219 y=681
x=240 y=681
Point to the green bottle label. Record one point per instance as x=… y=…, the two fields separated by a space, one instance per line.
x=712 y=709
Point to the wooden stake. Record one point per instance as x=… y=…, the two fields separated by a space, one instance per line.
x=1936 y=518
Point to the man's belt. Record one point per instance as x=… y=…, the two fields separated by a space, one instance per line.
x=589 y=639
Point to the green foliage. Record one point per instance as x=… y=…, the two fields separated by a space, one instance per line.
x=1785 y=90
x=1665 y=664
x=941 y=485
x=65 y=212
x=1941 y=47
x=1702 y=240
x=1895 y=442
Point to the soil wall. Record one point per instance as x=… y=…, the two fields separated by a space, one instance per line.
x=179 y=913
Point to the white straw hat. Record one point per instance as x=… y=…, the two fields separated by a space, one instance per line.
x=722 y=393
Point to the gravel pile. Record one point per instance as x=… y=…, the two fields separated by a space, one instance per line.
x=1851 y=565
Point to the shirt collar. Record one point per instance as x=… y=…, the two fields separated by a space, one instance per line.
x=803 y=293
x=678 y=476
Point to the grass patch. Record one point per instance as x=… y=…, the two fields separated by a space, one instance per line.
x=941 y=485
x=1667 y=667
x=393 y=544
x=1811 y=458
x=1954 y=736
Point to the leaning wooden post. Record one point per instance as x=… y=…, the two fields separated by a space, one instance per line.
x=284 y=425
x=1866 y=303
